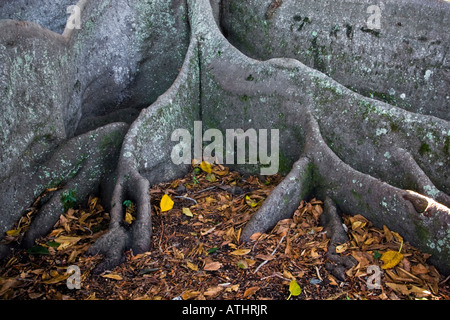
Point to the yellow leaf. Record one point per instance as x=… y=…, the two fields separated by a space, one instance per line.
x=113 y=276
x=166 y=203
x=240 y=252
x=58 y=278
x=192 y=266
x=67 y=239
x=206 y=166
x=14 y=232
x=187 y=212
x=250 y=202
x=391 y=259
x=129 y=218
x=294 y=289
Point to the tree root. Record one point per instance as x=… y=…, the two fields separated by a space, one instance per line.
x=345 y=146
x=333 y=225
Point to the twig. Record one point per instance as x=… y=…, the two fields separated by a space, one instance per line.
x=270 y=254
x=278 y=275
x=444 y=281
x=318 y=274
x=204 y=190
x=187 y=198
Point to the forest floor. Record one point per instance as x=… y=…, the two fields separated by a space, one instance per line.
x=196 y=252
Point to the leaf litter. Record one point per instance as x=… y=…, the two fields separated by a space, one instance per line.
x=197 y=253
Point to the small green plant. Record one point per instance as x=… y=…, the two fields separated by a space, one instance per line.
x=127 y=203
x=68 y=200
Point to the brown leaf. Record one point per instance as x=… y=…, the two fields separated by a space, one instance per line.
x=240 y=252
x=213 y=291
x=250 y=291
x=419 y=269
x=113 y=276
x=267 y=257
x=212 y=266
x=189 y=294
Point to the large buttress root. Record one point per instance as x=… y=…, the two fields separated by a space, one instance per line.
x=283 y=200
x=120 y=237
x=313 y=112
x=79 y=166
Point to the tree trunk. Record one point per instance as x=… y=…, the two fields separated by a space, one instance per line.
x=386 y=160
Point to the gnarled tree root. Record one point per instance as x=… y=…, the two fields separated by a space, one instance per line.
x=358 y=154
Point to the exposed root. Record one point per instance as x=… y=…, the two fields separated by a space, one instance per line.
x=283 y=200
x=333 y=225
x=422 y=182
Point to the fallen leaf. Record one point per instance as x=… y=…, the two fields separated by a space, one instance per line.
x=266 y=257
x=387 y=234
x=189 y=294
x=166 y=203
x=14 y=232
x=192 y=266
x=419 y=269
x=294 y=289
x=250 y=291
x=250 y=202
x=391 y=259
x=129 y=218
x=240 y=252
x=213 y=292
x=187 y=212
x=57 y=278
x=66 y=241
x=206 y=166
x=210 y=177
x=242 y=264
x=113 y=276
x=402 y=288
x=212 y=266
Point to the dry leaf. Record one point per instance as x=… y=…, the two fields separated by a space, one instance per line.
x=419 y=269
x=267 y=257
x=391 y=259
x=189 y=294
x=113 y=276
x=240 y=252
x=206 y=166
x=192 y=266
x=57 y=278
x=250 y=291
x=213 y=292
x=212 y=266
x=255 y=236
x=387 y=234
x=14 y=232
x=187 y=212
x=402 y=288
x=129 y=218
